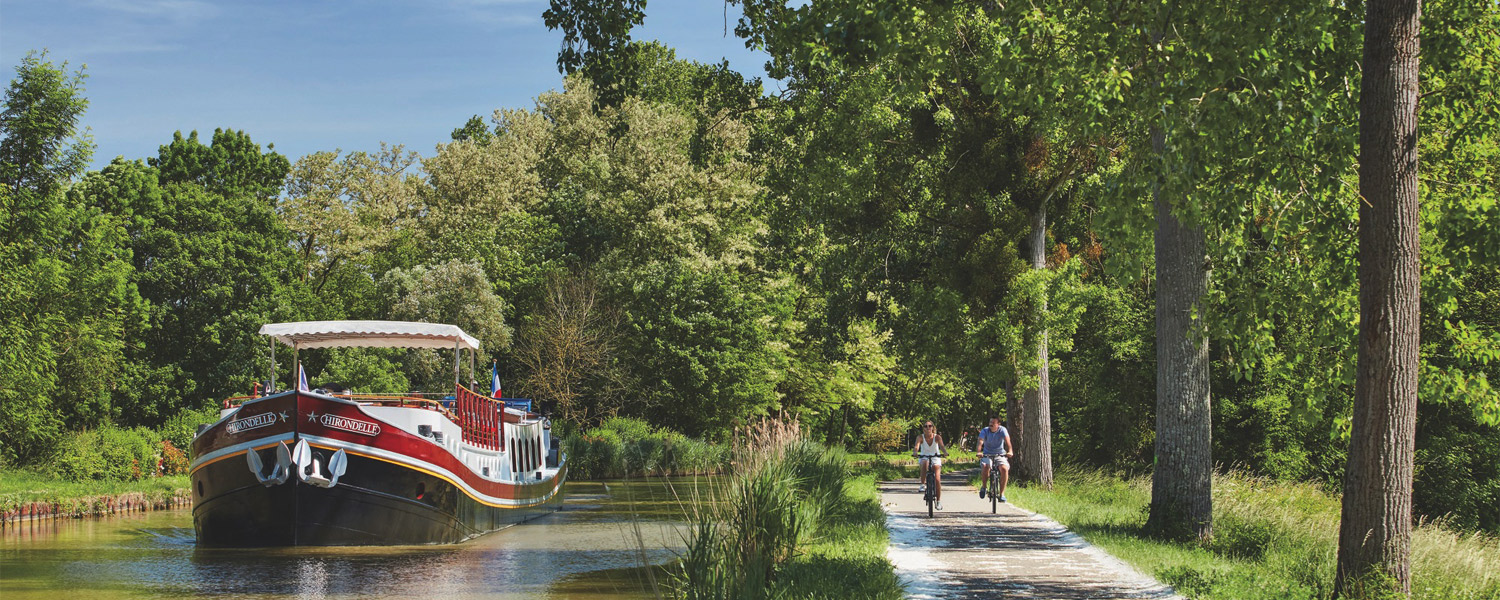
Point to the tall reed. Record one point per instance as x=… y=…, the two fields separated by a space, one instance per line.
x=780 y=487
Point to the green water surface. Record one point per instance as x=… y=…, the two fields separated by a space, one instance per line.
x=596 y=546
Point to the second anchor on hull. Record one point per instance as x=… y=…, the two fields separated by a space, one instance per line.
x=280 y=470
x=308 y=467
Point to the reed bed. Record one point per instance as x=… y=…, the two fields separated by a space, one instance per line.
x=790 y=521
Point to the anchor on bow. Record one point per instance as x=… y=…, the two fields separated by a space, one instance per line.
x=309 y=469
x=280 y=470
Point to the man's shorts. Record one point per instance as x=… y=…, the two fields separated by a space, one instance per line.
x=936 y=462
x=984 y=461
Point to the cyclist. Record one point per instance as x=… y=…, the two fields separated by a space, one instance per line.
x=931 y=444
x=994 y=440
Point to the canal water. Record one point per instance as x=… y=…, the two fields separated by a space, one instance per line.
x=596 y=546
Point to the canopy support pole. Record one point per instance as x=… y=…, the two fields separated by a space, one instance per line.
x=457 y=352
x=271 y=387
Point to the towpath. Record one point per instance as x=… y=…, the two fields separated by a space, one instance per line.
x=966 y=552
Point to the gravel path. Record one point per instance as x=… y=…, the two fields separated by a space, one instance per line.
x=965 y=551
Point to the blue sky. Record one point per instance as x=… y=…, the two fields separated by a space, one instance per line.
x=319 y=75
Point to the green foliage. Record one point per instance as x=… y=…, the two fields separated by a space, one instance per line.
x=230 y=165
x=699 y=353
x=19 y=487
x=453 y=292
x=108 y=453
x=40 y=151
x=629 y=447
x=214 y=265
x=596 y=40
x=67 y=300
x=374 y=371
x=848 y=252
x=346 y=212
x=886 y=434
x=1457 y=478
x=181 y=428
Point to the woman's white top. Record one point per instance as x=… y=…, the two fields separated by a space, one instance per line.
x=928 y=447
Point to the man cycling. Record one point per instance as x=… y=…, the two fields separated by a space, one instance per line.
x=930 y=444
x=994 y=440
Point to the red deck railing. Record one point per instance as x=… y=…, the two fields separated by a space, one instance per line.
x=479 y=418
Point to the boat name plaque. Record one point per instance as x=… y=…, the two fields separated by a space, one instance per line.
x=350 y=425
x=248 y=423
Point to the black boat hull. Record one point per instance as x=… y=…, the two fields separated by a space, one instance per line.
x=384 y=497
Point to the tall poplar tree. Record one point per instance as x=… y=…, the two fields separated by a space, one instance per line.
x=1375 y=530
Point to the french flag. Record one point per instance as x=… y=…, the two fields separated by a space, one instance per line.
x=301 y=378
x=495 y=380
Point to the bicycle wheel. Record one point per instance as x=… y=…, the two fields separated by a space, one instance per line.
x=994 y=495
x=931 y=493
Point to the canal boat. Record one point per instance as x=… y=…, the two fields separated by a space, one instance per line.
x=326 y=466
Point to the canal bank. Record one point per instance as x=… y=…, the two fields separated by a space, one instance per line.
x=27 y=495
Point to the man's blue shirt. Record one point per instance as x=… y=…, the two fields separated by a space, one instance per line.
x=992 y=442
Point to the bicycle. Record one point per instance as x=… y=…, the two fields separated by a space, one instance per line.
x=994 y=483
x=930 y=476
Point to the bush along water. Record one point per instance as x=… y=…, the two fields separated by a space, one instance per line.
x=104 y=470
x=626 y=447
x=786 y=500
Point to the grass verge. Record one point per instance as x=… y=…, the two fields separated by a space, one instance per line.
x=847 y=557
x=1272 y=540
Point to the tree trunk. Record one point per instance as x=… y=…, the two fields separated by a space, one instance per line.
x=1036 y=447
x=1182 y=481
x=1375 y=531
x=1013 y=422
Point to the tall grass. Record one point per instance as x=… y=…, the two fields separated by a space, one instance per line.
x=788 y=523
x=1272 y=540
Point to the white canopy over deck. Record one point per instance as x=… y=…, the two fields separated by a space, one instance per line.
x=369 y=334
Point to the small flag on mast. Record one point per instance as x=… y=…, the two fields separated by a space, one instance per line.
x=301 y=378
x=495 y=379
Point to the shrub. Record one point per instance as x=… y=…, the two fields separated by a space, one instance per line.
x=173 y=461
x=182 y=427
x=885 y=435
x=130 y=454
x=1239 y=537
x=624 y=447
x=79 y=457
x=626 y=428
x=108 y=454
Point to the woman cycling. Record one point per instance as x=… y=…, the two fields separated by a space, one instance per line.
x=930 y=448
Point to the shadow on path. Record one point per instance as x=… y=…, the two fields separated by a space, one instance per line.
x=965 y=551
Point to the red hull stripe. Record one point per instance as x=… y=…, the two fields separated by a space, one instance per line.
x=551 y=485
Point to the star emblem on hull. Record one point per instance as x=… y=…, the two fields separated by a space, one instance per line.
x=312 y=417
